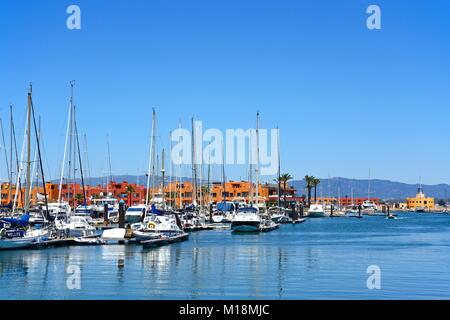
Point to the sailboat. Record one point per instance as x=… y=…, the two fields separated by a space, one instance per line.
x=249 y=219
x=17 y=233
x=157 y=224
x=76 y=223
x=368 y=206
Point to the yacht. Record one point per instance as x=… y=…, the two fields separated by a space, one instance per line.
x=76 y=226
x=155 y=226
x=279 y=215
x=316 y=211
x=225 y=212
x=84 y=211
x=113 y=207
x=369 y=207
x=246 y=220
x=55 y=209
x=135 y=214
x=17 y=234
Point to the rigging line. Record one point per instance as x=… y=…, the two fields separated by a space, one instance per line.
x=40 y=159
x=81 y=166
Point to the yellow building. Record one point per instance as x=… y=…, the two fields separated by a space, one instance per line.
x=420 y=201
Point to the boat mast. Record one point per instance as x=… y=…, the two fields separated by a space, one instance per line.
x=209 y=176
x=257 y=160
x=194 y=165
x=353 y=200
x=150 y=167
x=368 y=188
x=6 y=156
x=39 y=153
x=19 y=166
x=109 y=176
x=171 y=198
x=224 y=195
x=250 y=169
x=279 y=169
x=65 y=144
x=163 y=173
x=81 y=165
x=28 y=135
x=86 y=158
x=11 y=153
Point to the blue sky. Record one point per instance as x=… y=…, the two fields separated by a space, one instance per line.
x=345 y=98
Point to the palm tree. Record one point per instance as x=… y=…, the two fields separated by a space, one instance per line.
x=130 y=190
x=309 y=185
x=315 y=183
x=285 y=178
x=78 y=197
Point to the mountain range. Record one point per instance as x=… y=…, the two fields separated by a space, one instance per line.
x=383 y=189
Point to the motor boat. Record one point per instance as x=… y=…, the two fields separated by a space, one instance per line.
x=76 y=226
x=316 y=211
x=369 y=208
x=135 y=214
x=153 y=226
x=84 y=211
x=58 y=209
x=246 y=220
x=225 y=212
x=113 y=207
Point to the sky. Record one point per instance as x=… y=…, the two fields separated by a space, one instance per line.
x=345 y=98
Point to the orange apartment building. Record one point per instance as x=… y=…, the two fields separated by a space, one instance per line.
x=176 y=194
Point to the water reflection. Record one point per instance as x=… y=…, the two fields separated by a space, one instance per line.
x=297 y=262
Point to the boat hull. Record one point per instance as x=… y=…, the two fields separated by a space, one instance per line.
x=242 y=226
x=316 y=214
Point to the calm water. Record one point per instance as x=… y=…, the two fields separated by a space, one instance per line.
x=319 y=259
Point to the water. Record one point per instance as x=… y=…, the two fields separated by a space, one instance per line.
x=320 y=259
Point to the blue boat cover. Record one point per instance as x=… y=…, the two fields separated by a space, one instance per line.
x=22 y=222
x=227 y=206
x=156 y=211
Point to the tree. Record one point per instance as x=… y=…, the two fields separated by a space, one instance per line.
x=315 y=183
x=130 y=190
x=285 y=178
x=309 y=185
x=79 y=198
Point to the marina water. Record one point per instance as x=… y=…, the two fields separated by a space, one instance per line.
x=324 y=258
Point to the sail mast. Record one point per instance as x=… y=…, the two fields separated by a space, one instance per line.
x=27 y=193
x=79 y=158
x=65 y=143
x=150 y=168
x=257 y=160
x=279 y=169
x=11 y=153
x=39 y=153
x=194 y=165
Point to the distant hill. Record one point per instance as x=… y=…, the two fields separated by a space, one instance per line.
x=383 y=189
